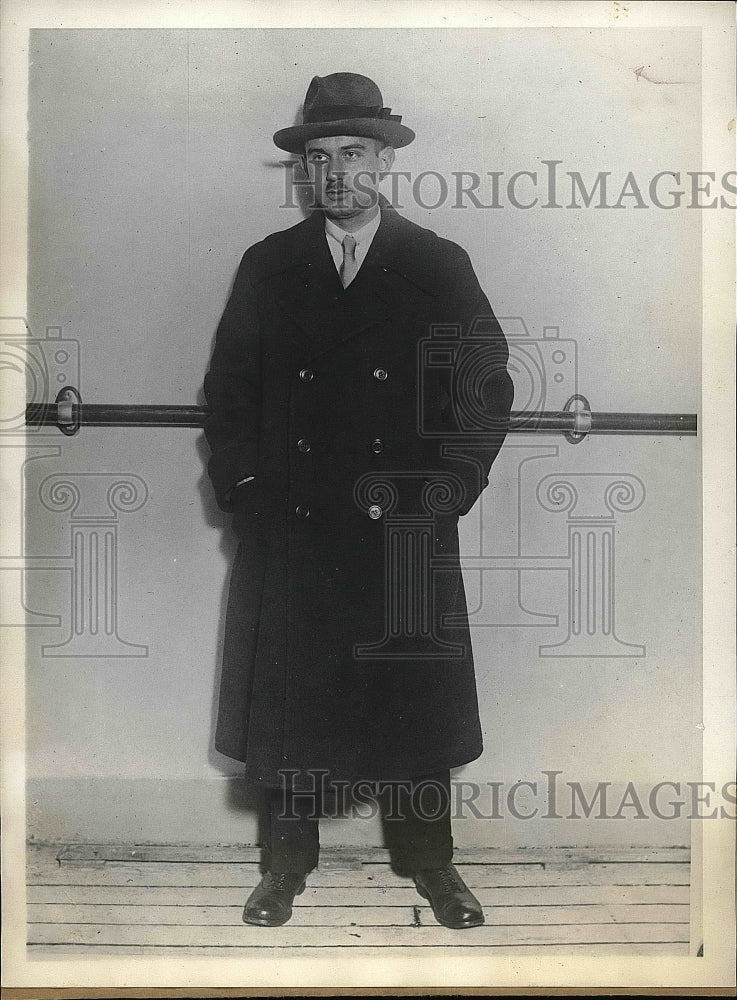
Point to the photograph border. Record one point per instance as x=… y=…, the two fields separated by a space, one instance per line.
x=484 y=975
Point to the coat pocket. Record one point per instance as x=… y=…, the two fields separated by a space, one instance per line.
x=247 y=509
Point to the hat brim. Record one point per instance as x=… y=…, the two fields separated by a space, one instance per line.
x=394 y=134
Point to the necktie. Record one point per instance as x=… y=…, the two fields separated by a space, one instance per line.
x=349 y=267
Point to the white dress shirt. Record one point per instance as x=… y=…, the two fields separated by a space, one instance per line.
x=334 y=235
x=363 y=237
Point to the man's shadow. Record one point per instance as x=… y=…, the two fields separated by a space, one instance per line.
x=240 y=796
x=296 y=189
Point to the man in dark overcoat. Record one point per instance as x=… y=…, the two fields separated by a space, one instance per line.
x=358 y=394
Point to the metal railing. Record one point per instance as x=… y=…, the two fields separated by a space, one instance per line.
x=576 y=420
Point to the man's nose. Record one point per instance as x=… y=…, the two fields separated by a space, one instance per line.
x=334 y=171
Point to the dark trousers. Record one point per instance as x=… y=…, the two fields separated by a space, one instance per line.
x=415 y=816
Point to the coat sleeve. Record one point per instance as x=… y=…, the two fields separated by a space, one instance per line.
x=477 y=390
x=232 y=388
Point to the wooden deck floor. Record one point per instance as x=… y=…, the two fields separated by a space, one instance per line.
x=95 y=900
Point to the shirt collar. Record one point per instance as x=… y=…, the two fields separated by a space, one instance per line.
x=365 y=233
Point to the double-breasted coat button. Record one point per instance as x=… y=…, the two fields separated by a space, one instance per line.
x=381 y=374
x=303 y=445
x=307 y=374
x=377 y=446
x=374 y=512
x=302 y=511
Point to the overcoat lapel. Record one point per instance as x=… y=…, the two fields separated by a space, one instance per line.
x=325 y=312
x=308 y=284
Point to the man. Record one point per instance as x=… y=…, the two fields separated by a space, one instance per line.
x=358 y=395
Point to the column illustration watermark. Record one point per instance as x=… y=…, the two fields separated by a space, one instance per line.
x=35 y=369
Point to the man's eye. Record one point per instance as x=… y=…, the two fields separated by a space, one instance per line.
x=352 y=155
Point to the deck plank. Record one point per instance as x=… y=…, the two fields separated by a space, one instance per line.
x=364 y=896
x=246 y=875
x=348 y=856
x=599 y=950
x=363 y=916
x=289 y=936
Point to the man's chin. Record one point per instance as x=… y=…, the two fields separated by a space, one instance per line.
x=344 y=210
x=335 y=210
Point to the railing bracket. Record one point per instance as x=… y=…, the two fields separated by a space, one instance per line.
x=581 y=409
x=67 y=420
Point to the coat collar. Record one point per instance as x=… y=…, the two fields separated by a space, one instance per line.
x=397 y=246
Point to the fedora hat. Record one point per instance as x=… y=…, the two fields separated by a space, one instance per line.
x=344 y=104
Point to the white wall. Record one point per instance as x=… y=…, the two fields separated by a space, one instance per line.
x=152 y=168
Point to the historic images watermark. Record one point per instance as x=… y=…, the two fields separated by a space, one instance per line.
x=550 y=186
x=550 y=797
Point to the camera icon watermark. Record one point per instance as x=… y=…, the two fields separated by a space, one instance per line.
x=34 y=370
x=544 y=371
x=458 y=374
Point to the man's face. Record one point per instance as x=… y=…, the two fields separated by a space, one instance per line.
x=344 y=171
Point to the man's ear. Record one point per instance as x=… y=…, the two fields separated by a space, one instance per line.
x=303 y=161
x=386 y=158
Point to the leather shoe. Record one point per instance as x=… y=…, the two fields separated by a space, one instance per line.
x=270 y=903
x=453 y=903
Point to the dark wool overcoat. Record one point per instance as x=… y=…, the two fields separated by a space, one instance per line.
x=369 y=417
